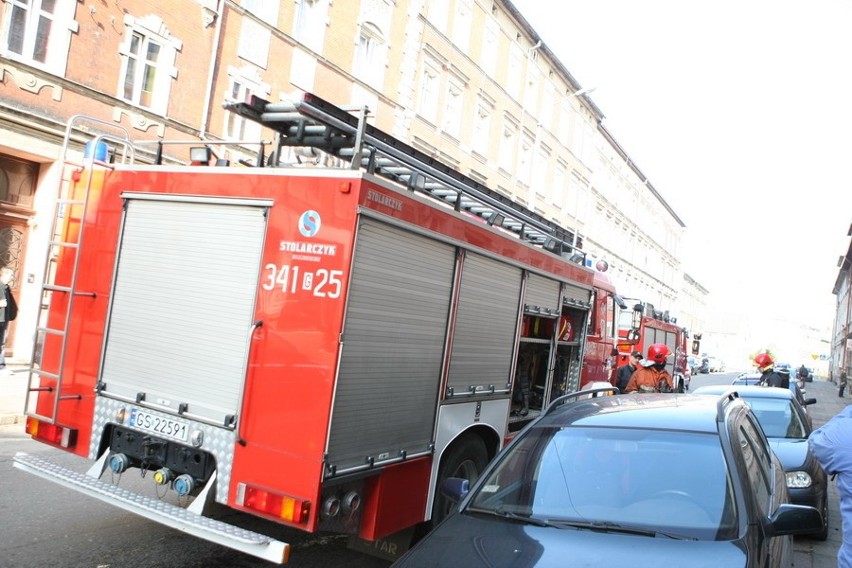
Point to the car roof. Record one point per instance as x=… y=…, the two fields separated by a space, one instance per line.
x=746 y=391
x=661 y=411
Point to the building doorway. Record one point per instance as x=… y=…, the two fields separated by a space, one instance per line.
x=17 y=189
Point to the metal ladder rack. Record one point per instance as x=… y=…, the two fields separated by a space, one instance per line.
x=70 y=200
x=312 y=121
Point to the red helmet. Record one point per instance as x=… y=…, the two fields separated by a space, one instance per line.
x=658 y=352
x=763 y=360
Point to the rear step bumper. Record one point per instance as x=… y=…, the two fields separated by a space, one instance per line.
x=164 y=513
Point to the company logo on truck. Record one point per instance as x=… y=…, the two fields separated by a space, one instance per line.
x=385 y=200
x=309 y=223
x=308 y=248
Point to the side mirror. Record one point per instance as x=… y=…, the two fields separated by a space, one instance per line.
x=637 y=316
x=455 y=488
x=794 y=519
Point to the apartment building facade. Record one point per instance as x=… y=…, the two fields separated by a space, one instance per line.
x=469 y=82
x=841 y=337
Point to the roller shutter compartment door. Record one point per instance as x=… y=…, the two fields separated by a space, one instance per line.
x=542 y=295
x=485 y=326
x=393 y=346
x=183 y=303
x=577 y=294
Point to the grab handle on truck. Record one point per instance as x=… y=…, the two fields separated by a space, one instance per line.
x=239 y=421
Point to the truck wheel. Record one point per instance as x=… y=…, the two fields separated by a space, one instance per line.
x=466 y=458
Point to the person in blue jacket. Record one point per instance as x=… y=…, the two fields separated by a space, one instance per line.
x=832 y=445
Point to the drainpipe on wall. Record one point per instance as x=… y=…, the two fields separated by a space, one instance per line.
x=214 y=53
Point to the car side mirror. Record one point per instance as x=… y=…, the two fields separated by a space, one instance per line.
x=455 y=488
x=808 y=401
x=794 y=520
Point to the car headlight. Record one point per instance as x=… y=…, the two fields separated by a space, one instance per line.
x=798 y=479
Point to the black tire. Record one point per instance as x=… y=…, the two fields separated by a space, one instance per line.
x=465 y=458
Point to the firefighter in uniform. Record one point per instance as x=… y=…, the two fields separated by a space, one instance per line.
x=768 y=376
x=652 y=376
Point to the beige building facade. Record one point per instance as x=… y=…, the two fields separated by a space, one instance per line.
x=468 y=82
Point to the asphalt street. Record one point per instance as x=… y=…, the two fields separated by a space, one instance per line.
x=808 y=553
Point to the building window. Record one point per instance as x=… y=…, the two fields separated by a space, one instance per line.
x=481 y=128
x=236 y=126
x=255 y=36
x=507 y=147
x=428 y=103
x=539 y=173
x=148 y=63
x=309 y=27
x=17 y=181
x=531 y=90
x=140 y=73
x=490 y=46
x=564 y=122
x=462 y=24
x=525 y=161
x=438 y=13
x=453 y=110
x=38 y=32
x=547 y=104
x=557 y=194
x=513 y=79
x=370 y=56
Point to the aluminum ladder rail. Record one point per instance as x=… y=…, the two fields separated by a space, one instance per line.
x=313 y=122
x=65 y=205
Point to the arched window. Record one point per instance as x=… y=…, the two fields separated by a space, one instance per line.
x=370 y=55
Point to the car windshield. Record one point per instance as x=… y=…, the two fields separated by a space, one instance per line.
x=615 y=477
x=777 y=417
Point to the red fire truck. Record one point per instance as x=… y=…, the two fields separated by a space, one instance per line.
x=318 y=345
x=646 y=325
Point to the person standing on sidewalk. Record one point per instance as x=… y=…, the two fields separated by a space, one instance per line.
x=8 y=311
x=831 y=444
x=842 y=383
x=626 y=371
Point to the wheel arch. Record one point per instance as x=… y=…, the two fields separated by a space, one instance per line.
x=458 y=423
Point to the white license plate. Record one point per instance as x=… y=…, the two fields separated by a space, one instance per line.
x=158 y=425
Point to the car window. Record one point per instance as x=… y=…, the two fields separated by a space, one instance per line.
x=634 y=477
x=777 y=417
x=757 y=461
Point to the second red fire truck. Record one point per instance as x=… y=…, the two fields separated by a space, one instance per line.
x=645 y=325
x=320 y=346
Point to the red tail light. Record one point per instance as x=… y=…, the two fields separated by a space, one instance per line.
x=272 y=504
x=53 y=434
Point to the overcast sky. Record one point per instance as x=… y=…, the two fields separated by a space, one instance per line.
x=740 y=114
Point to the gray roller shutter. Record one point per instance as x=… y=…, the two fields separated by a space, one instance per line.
x=576 y=295
x=183 y=303
x=542 y=296
x=393 y=346
x=485 y=326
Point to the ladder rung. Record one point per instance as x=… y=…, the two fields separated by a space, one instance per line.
x=43 y=373
x=55 y=288
x=64 y=244
x=51 y=331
